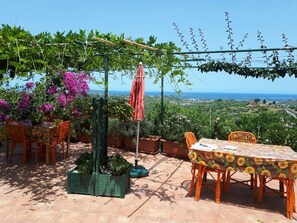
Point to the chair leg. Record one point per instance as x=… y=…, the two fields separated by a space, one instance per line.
x=53 y=154
x=193 y=171
x=201 y=170
x=255 y=186
x=261 y=188
x=26 y=153
x=290 y=199
x=224 y=181
x=63 y=149
x=281 y=189
x=227 y=183
x=205 y=177
x=252 y=181
x=38 y=151
x=294 y=204
x=218 y=188
x=12 y=151
x=7 y=148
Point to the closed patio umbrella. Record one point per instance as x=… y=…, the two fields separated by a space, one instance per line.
x=136 y=100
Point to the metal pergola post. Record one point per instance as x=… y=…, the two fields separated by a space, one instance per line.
x=162 y=103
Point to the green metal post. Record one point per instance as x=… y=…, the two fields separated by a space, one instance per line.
x=162 y=104
x=105 y=111
x=95 y=137
x=105 y=76
x=162 y=100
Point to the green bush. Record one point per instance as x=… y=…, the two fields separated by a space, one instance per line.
x=118 y=165
x=84 y=163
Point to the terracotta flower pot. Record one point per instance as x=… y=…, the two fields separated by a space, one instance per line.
x=174 y=149
x=116 y=140
x=146 y=145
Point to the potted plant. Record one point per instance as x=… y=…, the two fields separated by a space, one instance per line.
x=116 y=129
x=81 y=118
x=148 y=141
x=111 y=174
x=120 y=108
x=119 y=112
x=173 y=141
x=113 y=179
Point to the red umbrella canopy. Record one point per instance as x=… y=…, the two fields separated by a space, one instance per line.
x=136 y=99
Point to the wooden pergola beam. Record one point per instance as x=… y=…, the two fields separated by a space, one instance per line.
x=139 y=45
x=104 y=41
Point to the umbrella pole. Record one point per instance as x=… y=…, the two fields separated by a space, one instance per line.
x=137 y=143
x=138 y=171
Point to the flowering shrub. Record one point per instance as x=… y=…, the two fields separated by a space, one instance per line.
x=53 y=95
x=174 y=128
x=19 y=102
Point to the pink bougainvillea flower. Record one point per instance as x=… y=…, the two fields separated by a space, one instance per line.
x=46 y=108
x=24 y=103
x=76 y=113
x=52 y=90
x=4 y=104
x=29 y=85
x=61 y=99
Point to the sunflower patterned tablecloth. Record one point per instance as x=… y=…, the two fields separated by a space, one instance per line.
x=40 y=133
x=268 y=160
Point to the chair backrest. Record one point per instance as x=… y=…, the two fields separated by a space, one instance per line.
x=62 y=131
x=16 y=130
x=190 y=139
x=241 y=136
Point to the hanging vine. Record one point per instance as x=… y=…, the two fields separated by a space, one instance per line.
x=23 y=55
x=261 y=40
x=230 y=37
x=275 y=67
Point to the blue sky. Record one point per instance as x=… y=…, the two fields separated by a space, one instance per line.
x=138 y=18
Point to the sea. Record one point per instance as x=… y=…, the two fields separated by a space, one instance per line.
x=208 y=95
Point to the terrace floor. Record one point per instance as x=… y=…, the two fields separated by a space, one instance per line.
x=35 y=192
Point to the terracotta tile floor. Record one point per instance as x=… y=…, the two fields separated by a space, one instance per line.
x=35 y=192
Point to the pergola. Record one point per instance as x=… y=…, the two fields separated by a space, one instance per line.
x=25 y=55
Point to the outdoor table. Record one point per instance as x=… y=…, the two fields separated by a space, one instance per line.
x=260 y=159
x=41 y=133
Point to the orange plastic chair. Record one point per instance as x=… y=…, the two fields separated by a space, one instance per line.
x=290 y=193
x=190 y=140
x=241 y=136
x=17 y=135
x=61 y=134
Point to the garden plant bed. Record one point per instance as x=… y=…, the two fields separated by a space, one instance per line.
x=146 y=145
x=97 y=184
x=174 y=149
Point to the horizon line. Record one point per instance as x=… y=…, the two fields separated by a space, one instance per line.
x=203 y=92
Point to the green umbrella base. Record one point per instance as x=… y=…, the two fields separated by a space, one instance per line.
x=138 y=171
